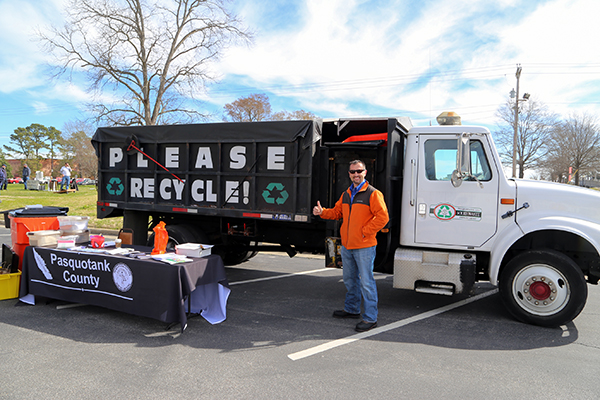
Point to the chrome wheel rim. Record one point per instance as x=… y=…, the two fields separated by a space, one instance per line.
x=541 y=289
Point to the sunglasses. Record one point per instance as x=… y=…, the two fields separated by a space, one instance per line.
x=356 y=171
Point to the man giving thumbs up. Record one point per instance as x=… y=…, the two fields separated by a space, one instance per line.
x=363 y=213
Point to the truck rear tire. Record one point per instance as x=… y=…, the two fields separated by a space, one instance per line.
x=543 y=287
x=235 y=253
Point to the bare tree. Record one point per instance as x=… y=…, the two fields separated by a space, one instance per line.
x=294 y=115
x=575 y=144
x=255 y=107
x=78 y=150
x=153 y=53
x=535 y=124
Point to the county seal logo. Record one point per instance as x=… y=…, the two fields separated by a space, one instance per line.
x=122 y=277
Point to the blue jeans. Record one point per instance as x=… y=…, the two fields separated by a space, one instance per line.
x=66 y=180
x=25 y=179
x=359 y=280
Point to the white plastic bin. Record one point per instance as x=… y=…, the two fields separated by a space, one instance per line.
x=193 y=249
x=73 y=223
x=43 y=238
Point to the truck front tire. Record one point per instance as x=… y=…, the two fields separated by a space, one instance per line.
x=543 y=287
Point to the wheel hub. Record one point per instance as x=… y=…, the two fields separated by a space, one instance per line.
x=541 y=289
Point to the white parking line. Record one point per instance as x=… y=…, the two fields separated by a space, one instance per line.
x=340 y=342
x=268 y=278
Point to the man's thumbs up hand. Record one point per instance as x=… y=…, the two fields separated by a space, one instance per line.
x=317 y=210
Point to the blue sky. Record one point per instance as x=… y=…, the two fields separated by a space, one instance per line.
x=351 y=58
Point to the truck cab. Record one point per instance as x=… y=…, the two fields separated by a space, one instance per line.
x=463 y=221
x=436 y=212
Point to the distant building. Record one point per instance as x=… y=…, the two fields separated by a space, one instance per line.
x=16 y=166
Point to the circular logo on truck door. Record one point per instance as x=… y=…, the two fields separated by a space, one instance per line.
x=444 y=212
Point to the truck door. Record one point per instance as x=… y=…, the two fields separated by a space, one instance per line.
x=455 y=216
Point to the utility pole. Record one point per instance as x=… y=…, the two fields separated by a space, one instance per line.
x=514 y=160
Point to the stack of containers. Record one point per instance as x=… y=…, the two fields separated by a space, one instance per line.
x=74 y=228
x=30 y=219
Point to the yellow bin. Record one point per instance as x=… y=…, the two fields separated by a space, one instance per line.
x=9 y=285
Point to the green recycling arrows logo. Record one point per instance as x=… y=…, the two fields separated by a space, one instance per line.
x=275 y=193
x=444 y=212
x=115 y=186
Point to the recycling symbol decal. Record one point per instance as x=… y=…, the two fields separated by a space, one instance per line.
x=115 y=186
x=444 y=212
x=275 y=193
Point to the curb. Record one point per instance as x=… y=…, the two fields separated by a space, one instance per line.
x=105 y=232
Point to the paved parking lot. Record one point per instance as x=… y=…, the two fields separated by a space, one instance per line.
x=280 y=341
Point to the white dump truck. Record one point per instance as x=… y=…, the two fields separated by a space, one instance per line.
x=455 y=219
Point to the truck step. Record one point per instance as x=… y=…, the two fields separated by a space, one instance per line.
x=429 y=271
x=434 y=288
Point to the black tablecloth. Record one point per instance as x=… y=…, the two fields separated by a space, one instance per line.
x=141 y=287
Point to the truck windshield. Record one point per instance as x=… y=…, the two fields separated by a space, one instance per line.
x=440 y=160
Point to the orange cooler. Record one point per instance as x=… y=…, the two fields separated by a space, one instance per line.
x=31 y=219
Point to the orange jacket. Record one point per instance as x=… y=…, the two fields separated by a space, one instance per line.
x=362 y=219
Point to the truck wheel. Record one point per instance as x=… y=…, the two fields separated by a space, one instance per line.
x=235 y=253
x=543 y=287
x=235 y=257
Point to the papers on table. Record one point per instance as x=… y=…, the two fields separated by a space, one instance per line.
x=121 y=251
x=171 y=258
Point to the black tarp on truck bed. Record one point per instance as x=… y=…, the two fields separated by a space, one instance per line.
x=256 y=170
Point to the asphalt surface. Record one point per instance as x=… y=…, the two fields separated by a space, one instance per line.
x=280 y=342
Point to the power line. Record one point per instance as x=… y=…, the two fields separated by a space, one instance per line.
x=411 y=79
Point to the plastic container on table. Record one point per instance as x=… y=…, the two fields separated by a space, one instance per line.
x=30 y=219
x=193 y=249
x=66 y=242
x=97 y=241
x=82 y=236
x=73 y=223
x=43 y=238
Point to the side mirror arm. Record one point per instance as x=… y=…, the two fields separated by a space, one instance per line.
x=463 y=161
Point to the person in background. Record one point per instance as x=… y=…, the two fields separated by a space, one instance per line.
x=3 y=178
x=74 y=183
x=66 y=179
x=4 y=185
x=364 y=213
x=26 y=173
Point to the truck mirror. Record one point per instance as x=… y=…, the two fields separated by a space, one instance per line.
x=456 y=178
x=463 y=160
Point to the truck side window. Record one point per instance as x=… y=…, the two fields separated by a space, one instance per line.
x=440 y=160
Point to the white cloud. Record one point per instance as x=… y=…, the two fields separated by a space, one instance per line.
x=40 y=107
x=356 y=57
x=22 y=58
x=348 y=62
x=560 y=66
x=480 y=41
